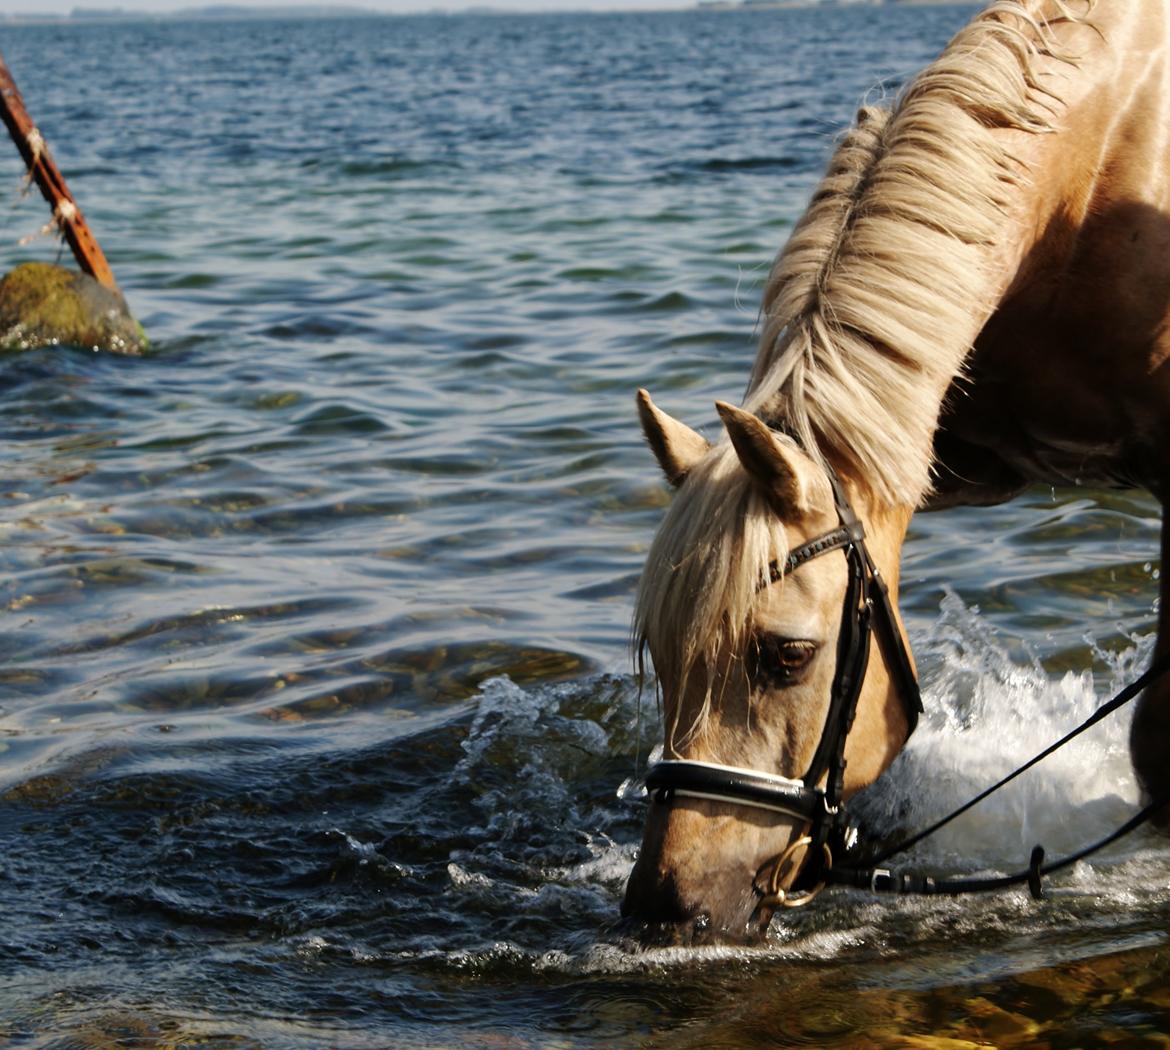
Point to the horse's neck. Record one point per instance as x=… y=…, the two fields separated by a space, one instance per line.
x=1066 y=380
x=871 y=312
x=1109 y=145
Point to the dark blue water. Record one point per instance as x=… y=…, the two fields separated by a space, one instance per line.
x=314 y=682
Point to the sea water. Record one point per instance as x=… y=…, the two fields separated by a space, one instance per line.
x=315 y=690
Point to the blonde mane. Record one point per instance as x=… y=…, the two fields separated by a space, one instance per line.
x=868 y=315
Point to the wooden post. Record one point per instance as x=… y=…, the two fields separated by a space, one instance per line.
x=66 y=214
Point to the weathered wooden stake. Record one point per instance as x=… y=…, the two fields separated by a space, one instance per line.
x=66 y=214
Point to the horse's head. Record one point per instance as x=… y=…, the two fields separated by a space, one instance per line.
x=748 y=611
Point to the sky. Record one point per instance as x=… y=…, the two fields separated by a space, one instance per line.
x=61 y=7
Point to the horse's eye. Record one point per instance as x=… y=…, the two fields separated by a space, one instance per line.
x=780 y=661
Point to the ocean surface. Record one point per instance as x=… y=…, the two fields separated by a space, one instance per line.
x=315 y=683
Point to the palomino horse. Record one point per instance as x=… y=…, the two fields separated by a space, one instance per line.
x=977 y=298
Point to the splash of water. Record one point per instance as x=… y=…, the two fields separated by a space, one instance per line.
x=986 y=714
x=547 y=858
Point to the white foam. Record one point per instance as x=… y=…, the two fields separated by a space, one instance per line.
x=988 y=710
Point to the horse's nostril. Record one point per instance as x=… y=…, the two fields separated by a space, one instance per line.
x=653 y=895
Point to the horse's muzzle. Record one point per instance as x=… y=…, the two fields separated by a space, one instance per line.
x=691 y=895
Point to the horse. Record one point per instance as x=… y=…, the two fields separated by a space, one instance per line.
x=976 y=299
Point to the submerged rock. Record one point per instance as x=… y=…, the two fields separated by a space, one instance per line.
x=46 y=305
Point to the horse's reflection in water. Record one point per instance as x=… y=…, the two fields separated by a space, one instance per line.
x=976 y=298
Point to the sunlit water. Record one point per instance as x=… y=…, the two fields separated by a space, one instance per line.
x=315 y=682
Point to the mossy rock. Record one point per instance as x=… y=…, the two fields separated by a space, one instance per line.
x=46 y=305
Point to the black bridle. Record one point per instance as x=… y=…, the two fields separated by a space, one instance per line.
x=867 y=610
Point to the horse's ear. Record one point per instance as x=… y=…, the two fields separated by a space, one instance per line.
x=769 y=462
x=675 y=445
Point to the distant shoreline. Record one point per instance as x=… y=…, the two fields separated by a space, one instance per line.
x=236 y=12
x=218 y=12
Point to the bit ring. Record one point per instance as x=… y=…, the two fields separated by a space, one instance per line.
x=778 y=897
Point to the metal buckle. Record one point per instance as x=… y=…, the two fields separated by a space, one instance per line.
x=881 y=875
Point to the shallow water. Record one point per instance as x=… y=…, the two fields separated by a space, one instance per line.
x=314 y=681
